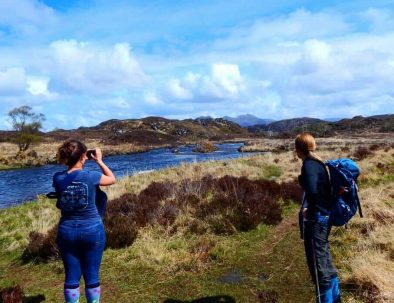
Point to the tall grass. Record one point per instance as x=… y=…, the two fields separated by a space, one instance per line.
x=189 y=229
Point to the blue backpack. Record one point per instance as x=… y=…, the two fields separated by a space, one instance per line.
x=344 y=197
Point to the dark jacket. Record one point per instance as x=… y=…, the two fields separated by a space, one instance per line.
x=315 y=182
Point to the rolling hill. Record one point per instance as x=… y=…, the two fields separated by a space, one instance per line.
x=155 y=130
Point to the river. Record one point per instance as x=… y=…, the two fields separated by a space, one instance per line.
x=20 y=185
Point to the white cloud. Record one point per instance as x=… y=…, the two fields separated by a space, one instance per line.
x=152 y=99
x=320 y=63
x=300 y=24
x=379 y=20
x=13 y=81
x=82 y=67
x=26 y=16
x=178 y=90
x=227 y=77
x=37 y=85
x=223 y=82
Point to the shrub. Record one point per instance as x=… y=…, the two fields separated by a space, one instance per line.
x=121 y=230
x=242 y=204
x=290 y=191
x=364 y=289
x=268 y=296
x=41 y=247
x=361 y=153
x=11 y=295
x=220 y=205
x=375 y=147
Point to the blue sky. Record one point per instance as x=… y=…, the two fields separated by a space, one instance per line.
x=83 y=62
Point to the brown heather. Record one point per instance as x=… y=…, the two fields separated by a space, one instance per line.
x=361 y=153
x=223 y=205
x=11 y=295
x=178 y=229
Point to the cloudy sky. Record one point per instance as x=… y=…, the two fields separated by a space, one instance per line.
x=83 y=62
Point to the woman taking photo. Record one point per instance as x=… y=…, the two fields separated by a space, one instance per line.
x=81 y=236
x=315 y=181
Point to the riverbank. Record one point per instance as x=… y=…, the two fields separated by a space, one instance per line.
x=167 y=265
x=344 y=143
x=45 y=152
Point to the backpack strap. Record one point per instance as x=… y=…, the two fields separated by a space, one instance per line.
x=327 y=173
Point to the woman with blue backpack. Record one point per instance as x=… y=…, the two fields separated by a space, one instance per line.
x=81 y=235
x=314 y=220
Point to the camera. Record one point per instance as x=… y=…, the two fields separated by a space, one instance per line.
x=90 y=152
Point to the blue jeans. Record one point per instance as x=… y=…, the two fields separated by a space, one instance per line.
x=81 y=244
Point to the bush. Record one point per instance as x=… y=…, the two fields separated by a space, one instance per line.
x=220 y=205
x=11 y=295
x=364 y=289
x=121 y=230
x=268 y=296
x=375 y=147
x=41 y=247
x=361 y=153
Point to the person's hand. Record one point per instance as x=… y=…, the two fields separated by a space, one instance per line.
x=97 y=155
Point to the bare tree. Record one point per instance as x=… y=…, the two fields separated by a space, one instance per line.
x=27 y=125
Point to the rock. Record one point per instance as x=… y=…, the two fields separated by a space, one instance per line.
x=205 y=147
x=182 y=132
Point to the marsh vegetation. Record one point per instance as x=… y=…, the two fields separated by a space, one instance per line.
x=174 y=233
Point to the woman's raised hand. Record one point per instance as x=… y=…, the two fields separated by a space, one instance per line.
x=97 y=155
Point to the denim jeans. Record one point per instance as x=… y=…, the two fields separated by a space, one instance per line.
x=318 y=256
x=81 y=244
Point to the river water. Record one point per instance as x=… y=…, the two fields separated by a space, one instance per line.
x=20 y=185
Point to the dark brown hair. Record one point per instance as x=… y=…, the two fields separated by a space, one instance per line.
x=70 y=152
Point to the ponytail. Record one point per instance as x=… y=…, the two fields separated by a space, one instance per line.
x=70 y=152
x=306 y=144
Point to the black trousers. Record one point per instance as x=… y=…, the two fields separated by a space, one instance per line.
x=317 y=251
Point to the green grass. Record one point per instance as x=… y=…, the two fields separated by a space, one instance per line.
x=9 y=167
x=127 y=278
x=160 y=265
x=271 y=172
x=377 y=180
x=130 y=275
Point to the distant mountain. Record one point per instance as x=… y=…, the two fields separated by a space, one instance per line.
x=332 y=119
x=286 y=125
x=248 y=120
x=155 y=131
x=358 y=124
x=378 y=123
